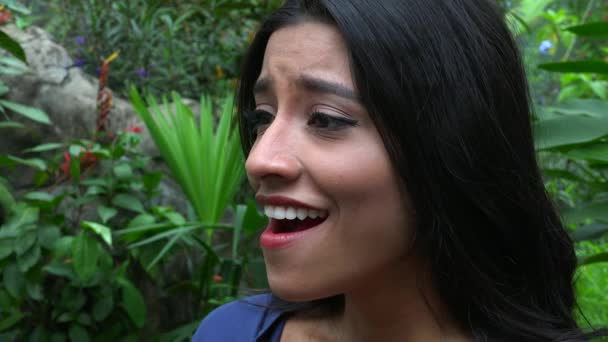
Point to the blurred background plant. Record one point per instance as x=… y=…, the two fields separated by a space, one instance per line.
x=89 y=252
x=166 y=45
x=565 y=45
x=14 y=63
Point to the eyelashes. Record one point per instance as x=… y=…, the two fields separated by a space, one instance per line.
x=330 y=122
x=258 y=120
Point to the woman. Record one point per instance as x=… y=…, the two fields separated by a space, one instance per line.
x=390 y=144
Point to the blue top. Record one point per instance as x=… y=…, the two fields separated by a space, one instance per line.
x=246 y=320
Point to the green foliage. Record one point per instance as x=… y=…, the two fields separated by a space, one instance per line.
x=524 y=14
x=165 y=45
x=572 y=139
x=87 y=252
x=76 y=249
x=565 y=127
x=61 y=274
x=598 y=67
x=591 y=283
x=15 y=67
x=9 y=44
x=597 y=29
x=207 y=164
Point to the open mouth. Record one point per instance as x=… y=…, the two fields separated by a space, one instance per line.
x=296 y=225
x=285 y=220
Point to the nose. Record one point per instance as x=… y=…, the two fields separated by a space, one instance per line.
x=274 y=156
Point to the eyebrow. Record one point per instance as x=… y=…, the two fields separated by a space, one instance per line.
x=313 y=84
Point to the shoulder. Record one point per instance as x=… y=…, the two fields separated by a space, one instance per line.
x=241 y=320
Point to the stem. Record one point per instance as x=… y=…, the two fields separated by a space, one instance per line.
x=585 y=15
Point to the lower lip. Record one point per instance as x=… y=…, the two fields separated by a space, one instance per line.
x=271 y=240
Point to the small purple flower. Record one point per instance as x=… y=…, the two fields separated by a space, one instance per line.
x=545 y=46
x=79 y=62
x=80 y=40
x=98 y=71
x=143 y=73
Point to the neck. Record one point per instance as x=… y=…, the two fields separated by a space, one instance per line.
x=395 y=306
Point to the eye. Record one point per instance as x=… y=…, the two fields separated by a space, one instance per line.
x=330 y=122
x=258 y=120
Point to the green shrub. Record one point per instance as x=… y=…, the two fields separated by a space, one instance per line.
x=184 y=46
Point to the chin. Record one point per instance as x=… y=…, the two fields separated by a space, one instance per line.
x=296 y=292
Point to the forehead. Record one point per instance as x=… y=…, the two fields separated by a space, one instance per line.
x=307 y=48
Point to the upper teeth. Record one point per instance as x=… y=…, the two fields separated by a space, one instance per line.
x=290 y=213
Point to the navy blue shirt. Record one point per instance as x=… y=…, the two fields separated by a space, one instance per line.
x=246 y=320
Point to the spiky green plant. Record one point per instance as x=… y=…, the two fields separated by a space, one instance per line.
x=207 y=163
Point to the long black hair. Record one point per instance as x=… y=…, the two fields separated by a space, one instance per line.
x=444 y=84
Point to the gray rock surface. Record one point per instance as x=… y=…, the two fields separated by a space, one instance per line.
x=64 y=92
x=69 y=97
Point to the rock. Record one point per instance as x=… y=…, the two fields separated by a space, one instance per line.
x=69 y=97
x=64 y=92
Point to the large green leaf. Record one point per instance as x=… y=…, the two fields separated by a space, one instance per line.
x=597 y=66
x=44 y=147
x=11 y=66
x=13 y=280
x=589 y=232
x=133 y=302
x=12 y=46
x=593 y=152
x=128 y=202
x=63 y=246
x=11 y=124
x=103 y=231
x=103 y=305
x=36 y=163
x=6 y=247
x=24 y=216
x=39 y=196
x=48 y=235
x=59 y=269
x=123 y=171
x=31 y=113
x=591 y=107
x=6 y=198
x=106 y=213
x=10 y=320
x=25 y=240
x=85 y=255
x=594 y=259
x=28 y=259
x=34 y=290
x=78 y=333
x=595 y=29
x=569 y=130
x=593 y=211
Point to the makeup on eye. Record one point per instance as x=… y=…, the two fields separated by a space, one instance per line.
x=330 y=122
x=259 y=118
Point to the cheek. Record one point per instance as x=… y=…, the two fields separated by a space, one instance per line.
x=373 y=213
x=361 y=177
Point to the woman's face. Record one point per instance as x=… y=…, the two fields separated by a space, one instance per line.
x=318 y=152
